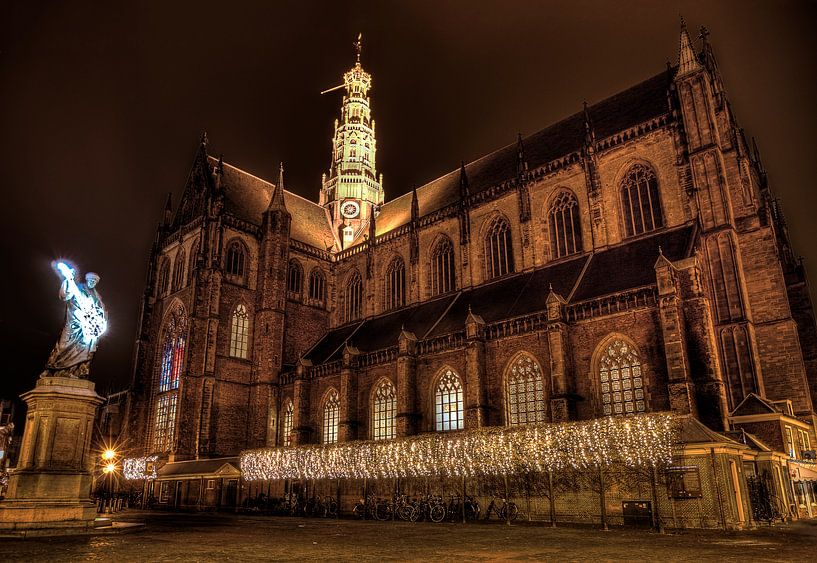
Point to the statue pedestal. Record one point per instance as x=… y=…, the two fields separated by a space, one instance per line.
x=51 y=485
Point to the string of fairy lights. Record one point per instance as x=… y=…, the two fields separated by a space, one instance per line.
x=637 y=441
x=140 y=467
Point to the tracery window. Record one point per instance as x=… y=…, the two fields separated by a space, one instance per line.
x=164 y=278
x=170 y=369
x=384 y=408
x=498 y=249
x=239 y=332
x=234 y=263
x=286 y=426
x=448 y=403
x=317 y=286
x=640 y=201
x=396 y=284
x=194 y=254
x=353 y=301
x=525 y=391
x=443 y=277
x=622 y=383
x=331 y=411
x=295 y=276
x=565 y=225
x=178 y=271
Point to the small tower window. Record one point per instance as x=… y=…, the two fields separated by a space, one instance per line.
x=239 y=332
x=317 y=286
x=295 y=277
x=235 y=259
x=286 y=427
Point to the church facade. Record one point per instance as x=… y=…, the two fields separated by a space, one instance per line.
x=628 y=259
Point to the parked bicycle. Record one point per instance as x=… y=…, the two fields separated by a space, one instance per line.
x=504 y=511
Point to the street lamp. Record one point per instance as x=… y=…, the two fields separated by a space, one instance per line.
x=109 y=468
x=108 y=454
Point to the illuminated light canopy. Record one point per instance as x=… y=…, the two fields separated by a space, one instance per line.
x=140 y=467
x=638 y=441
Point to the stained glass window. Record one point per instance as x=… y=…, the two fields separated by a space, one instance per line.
x=239 y=332
x=622 y=382
x=354 y=298
x=295 y=277
x=317 y=286
x=331 y=411
x=178 y=271
x=165 y=426
x=384 y=407
x=174 y=338
x=525 y=388
x=448 y=403
x=235 y=259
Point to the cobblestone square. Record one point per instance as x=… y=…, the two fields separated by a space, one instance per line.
x=230 y=537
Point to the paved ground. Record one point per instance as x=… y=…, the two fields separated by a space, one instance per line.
x=226 y=537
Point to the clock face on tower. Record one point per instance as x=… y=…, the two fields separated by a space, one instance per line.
x=350 y=209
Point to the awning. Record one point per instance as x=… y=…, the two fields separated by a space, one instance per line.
x=802 y=471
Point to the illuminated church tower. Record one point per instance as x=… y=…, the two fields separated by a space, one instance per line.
x=352 y=191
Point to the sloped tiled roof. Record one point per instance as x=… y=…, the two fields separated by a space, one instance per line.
x=248 y=196
x=632 y=262
x=753 y=404
x=198 y=467
x=626 y=109
x=693 y=431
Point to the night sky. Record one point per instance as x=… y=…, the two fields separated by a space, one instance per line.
x=102 y=106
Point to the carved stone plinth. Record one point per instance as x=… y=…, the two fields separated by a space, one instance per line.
x=51 y=485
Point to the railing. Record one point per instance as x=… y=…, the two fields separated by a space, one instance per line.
x=620 y=302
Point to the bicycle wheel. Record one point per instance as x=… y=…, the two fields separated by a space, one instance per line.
x=437 y=513
x=513 y=510
x=417 y=512
x=405 y=512
x=359 y=510
x=383 y=511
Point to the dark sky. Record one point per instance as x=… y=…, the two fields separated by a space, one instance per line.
x=102 y=104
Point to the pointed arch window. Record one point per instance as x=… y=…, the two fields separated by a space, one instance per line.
x=498 y=249
x=525 y=392
x=317 y=286
x=396 y=284
x=622 y=383
x=331 y=411
x=239 y=332
x=178 y=271
x=286 y=426
x=295 y=277
x=565 y=225
x=443 y=277
x=353 y=302
x=173 y=345
x=163 y=284
x=448 y=403
x=640 y=201
x=194 y=254
x=235 y=259
x=384 y=408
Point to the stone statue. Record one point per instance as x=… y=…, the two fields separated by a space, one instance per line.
x=85 y=321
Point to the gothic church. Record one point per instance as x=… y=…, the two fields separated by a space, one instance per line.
x=630 y=258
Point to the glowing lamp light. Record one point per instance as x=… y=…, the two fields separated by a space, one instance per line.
x=108 y=454
x=110 y=468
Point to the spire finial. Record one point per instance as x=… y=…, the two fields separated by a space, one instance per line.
x=687 y=58
x=359 y=46
x=277 y=199
x=204 y=141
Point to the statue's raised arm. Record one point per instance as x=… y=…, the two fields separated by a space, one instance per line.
x=85 y=322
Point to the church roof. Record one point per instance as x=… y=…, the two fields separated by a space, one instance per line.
x=248 y=196
x=583 y=277
x=626 y=109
